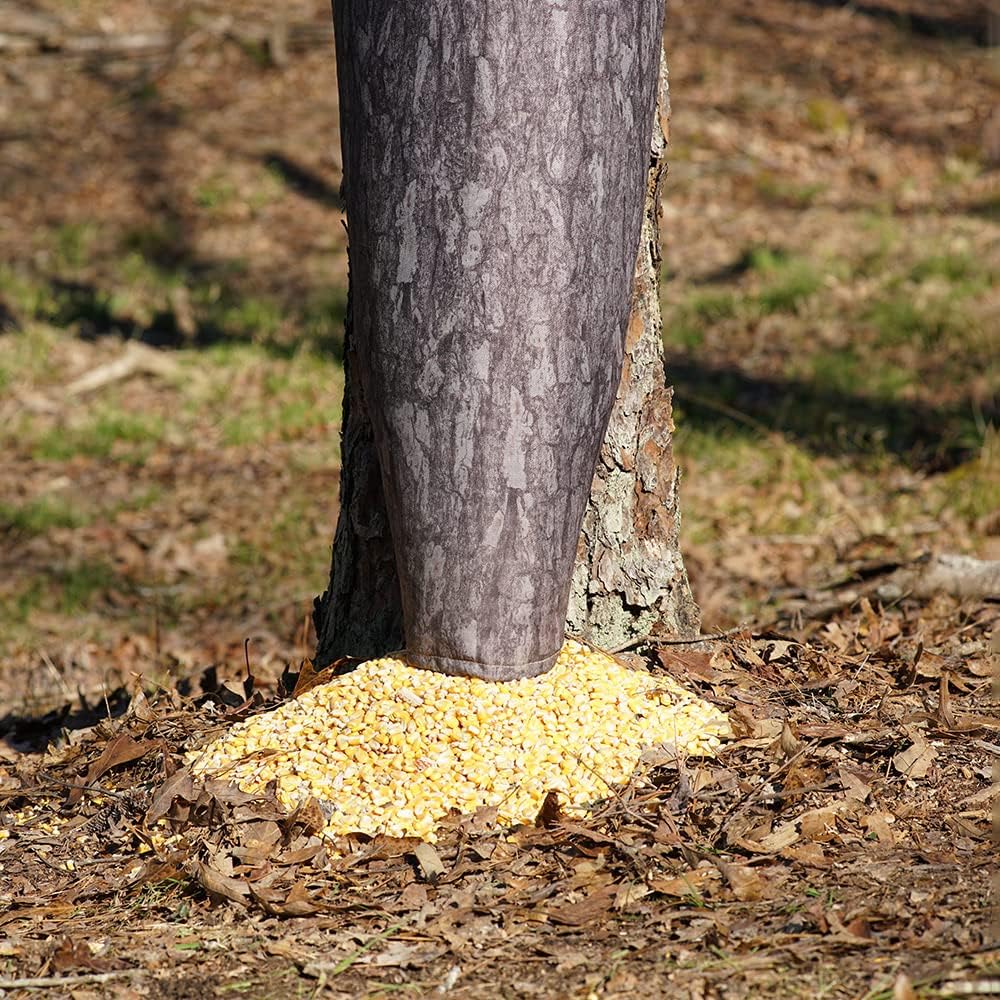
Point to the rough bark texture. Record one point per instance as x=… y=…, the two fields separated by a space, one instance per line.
x=629 y=578
x=571 y=265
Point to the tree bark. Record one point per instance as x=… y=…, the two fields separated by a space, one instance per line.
x=629 y=577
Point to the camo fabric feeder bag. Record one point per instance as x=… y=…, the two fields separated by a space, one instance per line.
x=490 y=295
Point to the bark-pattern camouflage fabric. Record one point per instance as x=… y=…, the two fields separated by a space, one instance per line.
x=495 y=161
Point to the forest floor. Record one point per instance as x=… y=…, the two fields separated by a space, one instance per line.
x=172 y=288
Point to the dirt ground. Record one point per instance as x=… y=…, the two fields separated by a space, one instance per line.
x=172 y=289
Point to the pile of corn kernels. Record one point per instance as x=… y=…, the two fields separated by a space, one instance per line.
x=391 y=748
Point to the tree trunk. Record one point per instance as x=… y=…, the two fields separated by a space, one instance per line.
x=629 y=577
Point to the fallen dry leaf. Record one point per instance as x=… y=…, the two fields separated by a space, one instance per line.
x=178 y=786
x=405 y=956
x=121 y=750
x=855 y=783
x=629 y=893
x=746 y=882
x=298 y=902
x=74 y=954
x=221 y=886
x=789 y=743
x=691 y=883
x=916 y=760
x=592 y=907
x=777 y=840
x=877 y=824
x=429 y=862
x=550 y=813
x=810 y=854
x=820 y=825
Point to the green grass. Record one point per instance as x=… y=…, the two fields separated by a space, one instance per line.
x=777 y=190
x=783 y=283
x=760 y=462
x=25 y=295
x=111 y=433
x=901 y=319
x=248 y=553
x=254 y=397
x=878 y=242
x=74 y=242
x=321 y=321
x=270 y=187
x=825 y=114
x=16 y=607
x=847 y=370
x=685 y=325
x=159 y=241
x=972 y=490
x=146 y=286
x=881 y=307
x=787 y=280
x=242 y=317
x=234 y=393
x=931 y=303
x=216 y=193
x=713 y=307
x=26 y=355
x=135 y=269
x=958 y=268
x=41 y=515
x=66 y=590
x=80 y=584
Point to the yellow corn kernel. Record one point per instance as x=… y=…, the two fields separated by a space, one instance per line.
x=392 y=748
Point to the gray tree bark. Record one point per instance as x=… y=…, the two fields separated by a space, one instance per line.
x=539 y=250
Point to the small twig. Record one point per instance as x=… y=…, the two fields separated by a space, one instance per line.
x=47 y=982
x=617 y=795
x=89 y=789
x=766 y=797
x=44 y=860
x=753 y=797
x=60 y=680
x=652 y=637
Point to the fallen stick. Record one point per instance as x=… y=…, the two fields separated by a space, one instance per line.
x=947 y=573
x=48 y=982
x=136 y=358
x=963 y=577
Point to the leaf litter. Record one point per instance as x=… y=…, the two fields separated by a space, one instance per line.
x=852 y=817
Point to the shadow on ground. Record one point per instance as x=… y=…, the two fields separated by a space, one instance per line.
x=33 y=733
x=827 y=421
x=316 y=323
x=953 y=23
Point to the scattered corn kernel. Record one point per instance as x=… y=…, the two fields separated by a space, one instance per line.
x=391 y=748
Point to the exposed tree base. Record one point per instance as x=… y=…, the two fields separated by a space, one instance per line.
x=629 y=579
